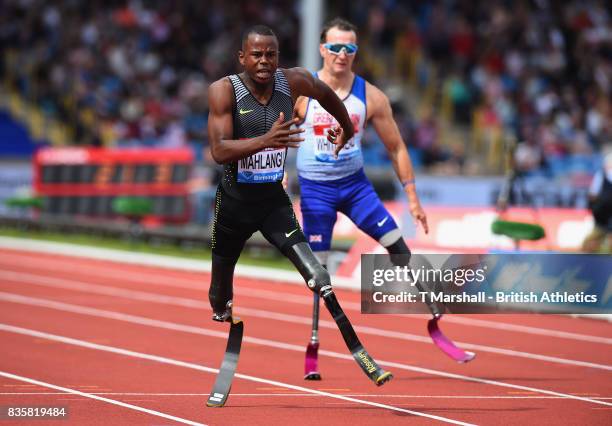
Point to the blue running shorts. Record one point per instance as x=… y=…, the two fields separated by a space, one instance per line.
x=352 y=195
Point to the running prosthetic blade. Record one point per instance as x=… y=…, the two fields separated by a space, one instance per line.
x=223 y=382
x=311 y=368
x=311 y=361
x=446 y=345
x=440 y=340
x=365 y=361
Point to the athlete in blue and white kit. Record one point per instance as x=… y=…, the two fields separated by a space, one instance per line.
x=331 y=179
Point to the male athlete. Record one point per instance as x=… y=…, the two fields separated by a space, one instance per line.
x=331 y=183
x=249 y=128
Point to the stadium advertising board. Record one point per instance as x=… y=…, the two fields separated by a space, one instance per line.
x=85 y=181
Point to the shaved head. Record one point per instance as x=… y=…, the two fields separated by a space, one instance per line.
x=258 y=30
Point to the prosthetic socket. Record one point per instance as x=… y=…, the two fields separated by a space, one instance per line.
x=221 y=291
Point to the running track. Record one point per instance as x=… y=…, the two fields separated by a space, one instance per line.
x=134 y=345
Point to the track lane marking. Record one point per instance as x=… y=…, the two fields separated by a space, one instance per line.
x=39 y=280
x=98 y=398
x=264 y=342
x=358 y=395
x=195 y=284
x=170 y=361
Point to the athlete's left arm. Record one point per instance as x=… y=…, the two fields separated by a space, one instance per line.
x=304 y=84
x=381 y=117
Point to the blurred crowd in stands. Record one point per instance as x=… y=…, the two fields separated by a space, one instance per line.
x=128 y=73
x=535 y=75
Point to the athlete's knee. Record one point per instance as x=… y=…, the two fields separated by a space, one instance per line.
x=221 y=292
x=320 y=281
x=316 y=276
x=399 y=247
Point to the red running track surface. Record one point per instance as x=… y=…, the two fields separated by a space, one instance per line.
x=131 y=345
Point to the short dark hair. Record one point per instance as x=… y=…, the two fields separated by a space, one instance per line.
x=259 y=30
x=340 y=23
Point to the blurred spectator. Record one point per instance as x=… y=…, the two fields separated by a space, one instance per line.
x=426 y=139
x=600 y=202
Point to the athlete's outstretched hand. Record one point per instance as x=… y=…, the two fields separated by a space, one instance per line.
x=418 y=214
x=281 y=135
x=337 y=136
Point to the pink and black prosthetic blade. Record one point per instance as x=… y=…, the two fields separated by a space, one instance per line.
x=311 y=362
x=446 y=345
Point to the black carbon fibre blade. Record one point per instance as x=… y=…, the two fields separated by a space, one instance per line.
x=223 y=382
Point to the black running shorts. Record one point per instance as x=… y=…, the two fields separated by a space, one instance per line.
x=236 y=220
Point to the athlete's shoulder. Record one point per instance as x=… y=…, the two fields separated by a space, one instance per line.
x=223 y=84
x=378 y=102
x=302 y=82
x=220 y=94
x=296 y=73
x=375 y=94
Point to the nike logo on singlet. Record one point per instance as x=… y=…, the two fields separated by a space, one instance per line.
x=382 y=222
x=245 y=111
x=288 y=234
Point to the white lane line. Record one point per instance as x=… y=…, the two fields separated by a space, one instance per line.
x=39 y=280
x=263 y=342
x=147 y=277
x=174 y=362
x=357 y=395
x=421 y=339
x=99 y=398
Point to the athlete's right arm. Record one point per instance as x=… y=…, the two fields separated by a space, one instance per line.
x=223 y=148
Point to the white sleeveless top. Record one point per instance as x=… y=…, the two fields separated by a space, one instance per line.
x=315 y=157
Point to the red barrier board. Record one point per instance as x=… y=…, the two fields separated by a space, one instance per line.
x=84 y=181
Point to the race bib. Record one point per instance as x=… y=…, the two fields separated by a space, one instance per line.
x=323 y=149
x=262 y=167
